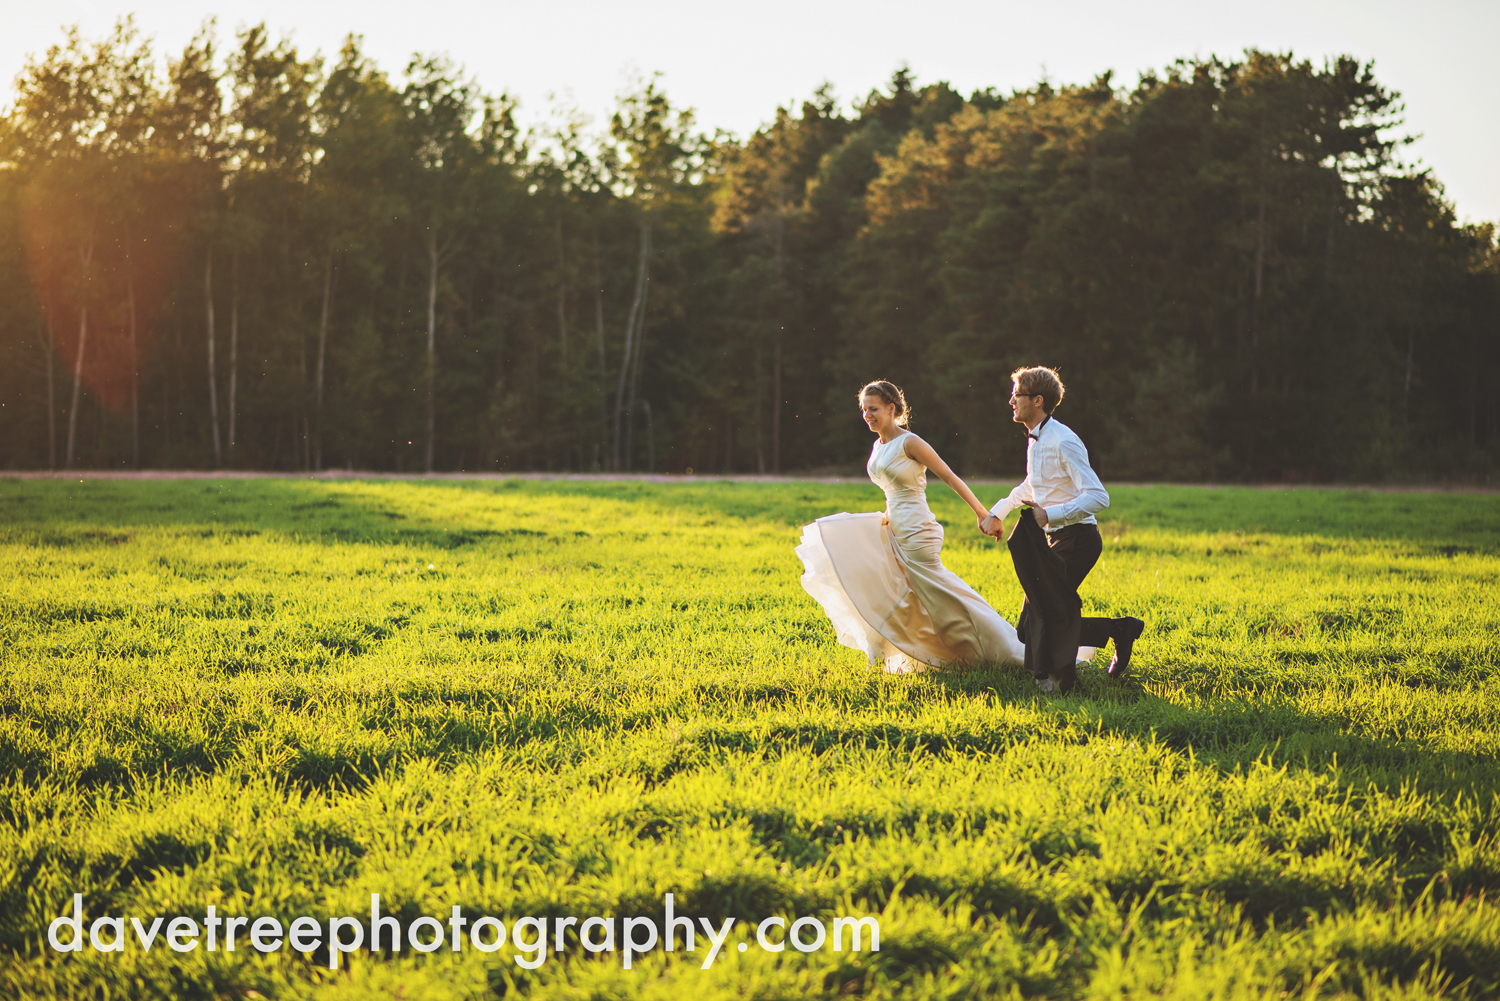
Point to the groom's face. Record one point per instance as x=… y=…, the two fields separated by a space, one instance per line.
x=1025 y=409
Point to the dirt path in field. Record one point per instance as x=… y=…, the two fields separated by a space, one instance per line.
x=341 y=474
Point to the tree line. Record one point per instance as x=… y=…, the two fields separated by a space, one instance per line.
x=246 y=257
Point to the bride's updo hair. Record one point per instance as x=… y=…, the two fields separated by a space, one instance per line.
x=891 y=394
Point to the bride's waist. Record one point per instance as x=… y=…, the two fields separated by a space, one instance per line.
x=909 y=516
x=907 y=502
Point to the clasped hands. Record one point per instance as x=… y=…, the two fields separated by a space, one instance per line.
x=991 y=524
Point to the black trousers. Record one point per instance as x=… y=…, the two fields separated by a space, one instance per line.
x=1080 y=547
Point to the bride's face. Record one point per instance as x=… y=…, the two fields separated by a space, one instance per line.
x=879 y=415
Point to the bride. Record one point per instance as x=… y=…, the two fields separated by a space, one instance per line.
x=880 y=576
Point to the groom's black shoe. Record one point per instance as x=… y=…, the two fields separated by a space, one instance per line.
x=1130 y=631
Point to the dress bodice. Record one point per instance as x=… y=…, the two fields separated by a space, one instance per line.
x=904 y=481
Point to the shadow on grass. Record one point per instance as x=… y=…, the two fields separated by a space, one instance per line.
x=1235 y=733
x=102 y=512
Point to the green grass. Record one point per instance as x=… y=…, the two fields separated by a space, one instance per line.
x=544 y=698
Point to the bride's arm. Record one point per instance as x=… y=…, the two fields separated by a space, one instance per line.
x=924 y=453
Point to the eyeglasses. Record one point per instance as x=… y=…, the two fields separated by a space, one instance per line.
x=1028 y=396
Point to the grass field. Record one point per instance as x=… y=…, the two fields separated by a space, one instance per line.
x=547 y=699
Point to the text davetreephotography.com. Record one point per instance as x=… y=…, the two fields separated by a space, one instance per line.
x=532 y=938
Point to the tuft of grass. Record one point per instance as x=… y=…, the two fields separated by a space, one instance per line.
x=555 y=699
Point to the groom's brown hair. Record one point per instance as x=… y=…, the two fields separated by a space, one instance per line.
x=1039 y=381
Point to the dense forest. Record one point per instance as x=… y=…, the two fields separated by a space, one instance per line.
x=243 y=257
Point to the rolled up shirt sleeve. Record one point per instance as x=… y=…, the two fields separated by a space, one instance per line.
x=1089 y=495
x=1021 y=495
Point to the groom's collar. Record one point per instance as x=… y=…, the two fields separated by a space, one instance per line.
x=1035 y=433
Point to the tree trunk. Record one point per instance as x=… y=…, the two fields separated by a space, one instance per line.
x=1474 y=402
x=632 y=335
x=322 y=354
x=1260 y=265
x=1411 y=343
x=635 y=371
x=83 y=337
x=603 y=364
x=213 y=388
x=302 y=447
x=650 y=438
x=759 y=416
x=135 y=382
x=776 y=400
x=51 y=349
x=234 y=346
x=562 y=301
x=179 y=376
x=135 y=359
x=432 y=283
x=85 y=257
x=1333 y=207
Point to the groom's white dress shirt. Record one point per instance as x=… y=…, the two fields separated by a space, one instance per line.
x=1059 y=479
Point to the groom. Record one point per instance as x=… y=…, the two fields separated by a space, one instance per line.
x=1062 y=493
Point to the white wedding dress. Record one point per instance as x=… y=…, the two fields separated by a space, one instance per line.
x=881 y=579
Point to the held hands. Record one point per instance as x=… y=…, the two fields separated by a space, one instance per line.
x=991 y=525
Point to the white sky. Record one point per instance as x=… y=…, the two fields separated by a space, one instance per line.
x=735 y=62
